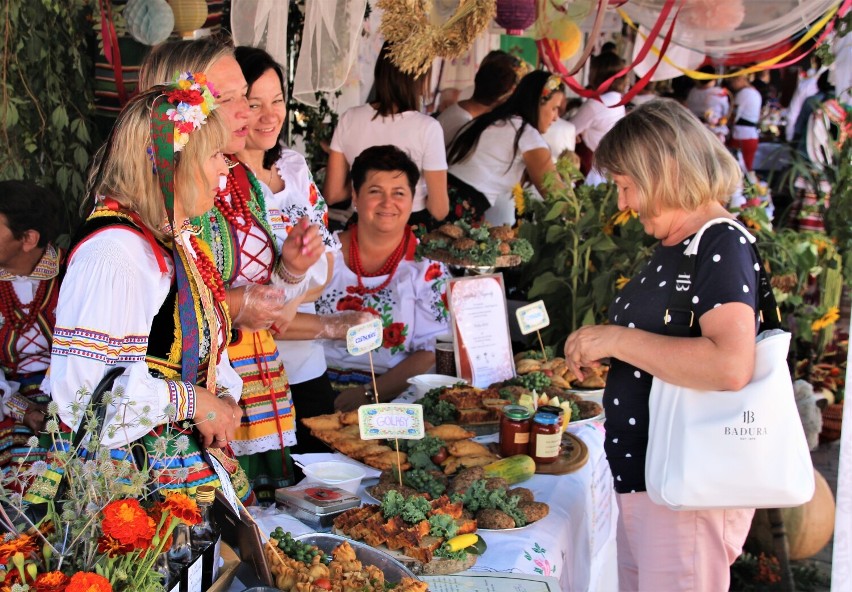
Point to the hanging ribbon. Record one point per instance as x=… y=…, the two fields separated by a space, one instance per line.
x=596 y=29
x=551 y=57
x=112 y=53
x=772 y=63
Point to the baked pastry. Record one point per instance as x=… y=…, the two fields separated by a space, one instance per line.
x=467 y=448
x=449 y=432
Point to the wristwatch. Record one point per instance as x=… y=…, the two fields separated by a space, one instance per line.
x=369 y=393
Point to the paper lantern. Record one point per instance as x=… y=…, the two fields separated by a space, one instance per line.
x=515 y=15
x=149 y=21
x=568 y=38
x=189 y=15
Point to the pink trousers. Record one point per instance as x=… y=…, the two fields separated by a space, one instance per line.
x=662 y=550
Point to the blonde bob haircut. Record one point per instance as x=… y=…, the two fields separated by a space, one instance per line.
x=168 y=59
x=123 y=170
x=675 y=161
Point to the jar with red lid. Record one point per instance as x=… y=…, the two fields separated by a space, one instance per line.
x=545 y=437
x=515 y=425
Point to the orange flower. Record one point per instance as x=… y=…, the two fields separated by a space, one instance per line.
x=182 y=506
x=86 y=581
x=127 y=522
x=52 y=581
x=157 y=512
x=109 y=546
x=23 y=544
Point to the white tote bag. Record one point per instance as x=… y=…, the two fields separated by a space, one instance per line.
x=730 y=449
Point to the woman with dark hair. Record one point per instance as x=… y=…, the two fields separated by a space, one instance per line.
x=292 y=195
x=375 y=271
x=595 y=117
x=394 y=118
x=490 y=154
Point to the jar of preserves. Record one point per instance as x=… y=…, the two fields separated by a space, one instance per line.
x=545 y=437
x=514 y=430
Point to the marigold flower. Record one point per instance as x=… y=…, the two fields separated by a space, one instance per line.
x=111 y=547
x=182 y=506
x=86 y=581
x=621 y=282
x=23 y=544
x=827 y=319
x=52 y=581
x=127 y=522
x=518 y=195
x=623 y=217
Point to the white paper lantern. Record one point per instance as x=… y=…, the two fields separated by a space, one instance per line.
x=149 y=21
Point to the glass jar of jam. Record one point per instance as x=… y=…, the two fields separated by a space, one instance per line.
x=545 y=437
x=514 y=430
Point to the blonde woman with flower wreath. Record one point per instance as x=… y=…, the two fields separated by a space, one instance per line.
x=263 y=266
x=141 y=292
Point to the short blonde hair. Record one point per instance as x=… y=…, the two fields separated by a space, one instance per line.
x=124 y=171
x=168 y=59
x=675 y=161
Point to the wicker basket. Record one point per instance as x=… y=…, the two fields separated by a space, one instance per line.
x=832 y=420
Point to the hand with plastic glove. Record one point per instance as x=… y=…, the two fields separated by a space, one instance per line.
x=300 y=251
x=335 y=326
x=259 y=306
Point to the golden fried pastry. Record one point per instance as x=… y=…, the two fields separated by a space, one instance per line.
x=450 y=432
x=504 y=232
x=352 y=446
x=454 y=463
x=593 y=379
x=349 y=418
x=527 y=365
x=559 y=381
x=451 y=230
x=387 y=460
x=374 y=448
x=330 y=421
x=467 y=448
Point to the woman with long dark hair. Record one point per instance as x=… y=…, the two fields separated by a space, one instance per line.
x=490 y=155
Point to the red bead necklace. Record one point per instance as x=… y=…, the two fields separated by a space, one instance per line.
x=388 y=268
x=238 y=206
x=10 y=304
x=207 y=269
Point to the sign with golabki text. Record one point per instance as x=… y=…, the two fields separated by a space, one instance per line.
x=365 y=337
x=390 y=421
x=532 y=317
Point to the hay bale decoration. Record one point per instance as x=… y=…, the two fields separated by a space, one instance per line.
x=416 y=41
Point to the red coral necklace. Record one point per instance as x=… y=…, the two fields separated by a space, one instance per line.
x=10 y=303
x=238 y=206
x=207 y=270
x=388 y=268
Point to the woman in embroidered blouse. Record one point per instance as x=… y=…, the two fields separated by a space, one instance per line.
x=251 y=250
x=673 y=171
x=129 y=279
x=375 y=271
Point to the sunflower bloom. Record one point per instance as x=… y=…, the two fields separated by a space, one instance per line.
x=623 y=217
x=518 y=195
x=621 y=282
x=826 y=320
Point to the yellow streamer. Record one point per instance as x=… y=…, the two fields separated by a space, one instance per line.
x=696 y=75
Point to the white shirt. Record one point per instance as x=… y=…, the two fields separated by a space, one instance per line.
x=595 y=118
x=452 y=119
x=747 y=103
x=110 y=294
x=493 y=169
x=303 y=359
x=561 y=136
x=711 y=99
x=418 y=135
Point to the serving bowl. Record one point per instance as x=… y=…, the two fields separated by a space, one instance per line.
x=423 y=383
x=343 y=475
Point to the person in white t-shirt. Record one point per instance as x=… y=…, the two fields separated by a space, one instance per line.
x=745 y=133
x=394 y=118
x=489 y=157
x=595 y=117
x=708 y=101
x=494 y=82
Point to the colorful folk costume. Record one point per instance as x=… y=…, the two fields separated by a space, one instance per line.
x=27 y=316
x=155 y=306
x=246 y=241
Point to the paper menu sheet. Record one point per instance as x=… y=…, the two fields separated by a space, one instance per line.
x=491 y=582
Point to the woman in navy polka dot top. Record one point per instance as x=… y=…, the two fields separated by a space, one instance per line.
x=677 y=175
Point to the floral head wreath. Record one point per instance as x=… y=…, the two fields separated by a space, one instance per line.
x=178 y=112
x=552 y=85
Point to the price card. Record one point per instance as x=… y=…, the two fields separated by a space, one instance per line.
x=391 y=420
x=532 y=317
x=365 y=337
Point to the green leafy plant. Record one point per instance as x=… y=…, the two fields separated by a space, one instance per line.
x=46 y=97
x=584 y=249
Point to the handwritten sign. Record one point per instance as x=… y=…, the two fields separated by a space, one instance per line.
x=365 y=337
x=391 y=420
x=532 y=317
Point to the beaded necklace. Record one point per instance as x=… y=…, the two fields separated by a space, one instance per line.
x=12 y=309
x=388 y=268
x=237 y=208
x=207 y=269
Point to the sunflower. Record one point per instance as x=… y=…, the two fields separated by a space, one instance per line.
x=621 y=282
x=827 y=319
x=623 y=217
x=518 y=195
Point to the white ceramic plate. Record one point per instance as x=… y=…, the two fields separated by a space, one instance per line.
x=505 y=529
x=579 y=422
x=586 y=392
